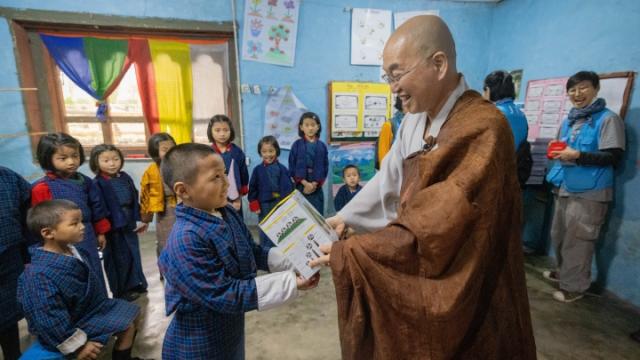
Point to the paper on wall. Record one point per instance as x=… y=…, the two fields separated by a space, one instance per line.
x=370 y=29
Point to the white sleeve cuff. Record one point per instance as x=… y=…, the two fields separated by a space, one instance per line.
x=277 y=261
x=276 y=289
x=73 y=342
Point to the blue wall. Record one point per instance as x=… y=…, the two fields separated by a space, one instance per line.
x=549 y=38
x=534 y=35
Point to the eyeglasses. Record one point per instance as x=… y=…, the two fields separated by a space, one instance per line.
x=392 y=79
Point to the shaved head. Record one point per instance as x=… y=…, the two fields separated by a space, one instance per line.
x=425 y=34
x=420 y=62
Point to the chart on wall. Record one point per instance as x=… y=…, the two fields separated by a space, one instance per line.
x=357 y=110
x=270 y=29
x=370 y=29
x=282 y=113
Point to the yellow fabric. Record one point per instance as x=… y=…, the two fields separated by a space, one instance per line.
x=174 y=91
x=152 y=191
x=385 y=140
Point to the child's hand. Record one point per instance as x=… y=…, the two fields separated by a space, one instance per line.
x=308 y=188
x=237 y=204
x=307 y=284
x=142 y=228
x=90 y=350
x=314 y=186
x=102 y=241
x=146 y=217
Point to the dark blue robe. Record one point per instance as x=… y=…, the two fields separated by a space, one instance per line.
x=209 y=265
x=344 y=195
x=310 y=161
x=61 y=295
x=122 y=261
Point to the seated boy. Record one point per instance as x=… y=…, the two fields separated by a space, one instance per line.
x=210 y=263
x=61 y=296
x=351 y=176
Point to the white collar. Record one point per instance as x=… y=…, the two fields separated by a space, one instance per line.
x=438 y=121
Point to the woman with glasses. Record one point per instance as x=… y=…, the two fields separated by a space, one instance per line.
x=592 y=138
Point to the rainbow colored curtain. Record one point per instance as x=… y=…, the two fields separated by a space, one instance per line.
x=173 y=76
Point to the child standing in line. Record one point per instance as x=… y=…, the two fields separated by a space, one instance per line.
x=62 y=298
x=155 y=196
x=122 y=261
x=60 y=155
x=221 y=135
x=351 y=177
x=14 y=202
x=210 y=263
x=269 y=182
x=309 y=160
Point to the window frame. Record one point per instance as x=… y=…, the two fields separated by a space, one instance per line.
x=45 y=110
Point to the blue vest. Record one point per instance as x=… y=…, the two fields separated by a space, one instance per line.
x=577 y=178
x=517 y=120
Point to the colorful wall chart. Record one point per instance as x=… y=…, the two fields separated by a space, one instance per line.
x=370 y=29
x=270 y=28
x=360 y=154
x=357 y=110
x=282 y=113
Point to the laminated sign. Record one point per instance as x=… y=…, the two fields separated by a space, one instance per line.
x=298 y=230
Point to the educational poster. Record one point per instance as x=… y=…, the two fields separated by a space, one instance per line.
x=370 y=29
x=282 y=113
x=400 y=17
x=270 y=29
x=357 y=110
x=545 y=105
x=361 y=154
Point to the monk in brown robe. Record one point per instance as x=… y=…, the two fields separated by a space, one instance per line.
x=445 y=278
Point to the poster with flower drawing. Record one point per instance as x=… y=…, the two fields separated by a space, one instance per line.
x=270 y=29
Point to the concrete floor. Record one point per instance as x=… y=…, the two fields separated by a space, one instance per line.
x=596 y=327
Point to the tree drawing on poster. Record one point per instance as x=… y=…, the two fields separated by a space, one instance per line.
x=282 y=114
x=361 y=155
x=270 y=31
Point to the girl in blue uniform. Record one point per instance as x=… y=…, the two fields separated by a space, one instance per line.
x=221 y=135
x=60 y=155
x=309 y=160
x=122 y=253
x=62 y=298
x=270 y=182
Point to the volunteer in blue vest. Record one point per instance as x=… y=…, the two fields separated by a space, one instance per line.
x=582 y=176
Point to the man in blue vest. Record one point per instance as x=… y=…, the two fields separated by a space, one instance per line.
x=582 y=176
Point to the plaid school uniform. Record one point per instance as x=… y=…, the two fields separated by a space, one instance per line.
x=122 y=261
x=209 y=266
x=14 y=202
x=87 y=196
x=62 y=299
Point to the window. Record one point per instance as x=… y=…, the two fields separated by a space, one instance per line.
x=124 y=126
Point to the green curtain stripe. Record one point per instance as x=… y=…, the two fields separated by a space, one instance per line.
x=106 y=58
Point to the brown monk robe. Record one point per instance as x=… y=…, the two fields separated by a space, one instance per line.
x=446 y=279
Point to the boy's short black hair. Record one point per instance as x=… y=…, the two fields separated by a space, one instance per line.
x=48 y=214
x=581 y=76
x=94 y=164
x=50 y=143
x=181 y=163
x=309 y=115
x=271 y=141
x=220 y=119
x=350 y=166
x=153 y=146
x=500 y=85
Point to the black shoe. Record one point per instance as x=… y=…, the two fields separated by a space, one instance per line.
x=130 y=296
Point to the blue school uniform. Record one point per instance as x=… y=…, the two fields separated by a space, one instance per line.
x=344 y=195
x=122 y=261
x=310 y=161
x=209 y=265
x=268 y=185
x=84 y=193
x=239 y=166
x=14 y=202
x=63 y=301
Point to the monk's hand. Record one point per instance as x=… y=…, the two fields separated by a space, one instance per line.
x=338 y=224
x=324 y=259
x=102 y=241
x=307 y=284
x=568 y=154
